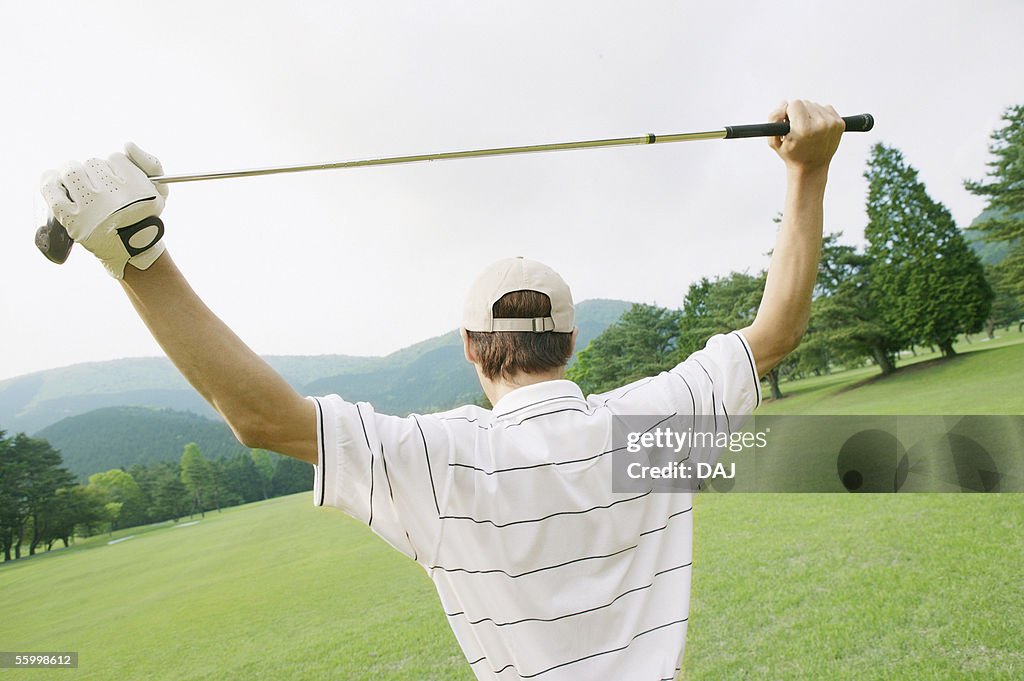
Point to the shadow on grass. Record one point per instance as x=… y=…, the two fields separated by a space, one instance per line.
x=915 y=368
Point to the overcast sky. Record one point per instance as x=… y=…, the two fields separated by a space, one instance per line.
x=371 y=260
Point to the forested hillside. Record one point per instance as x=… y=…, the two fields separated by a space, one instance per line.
x=426 y=376
x=116 y=437
x=111 y=414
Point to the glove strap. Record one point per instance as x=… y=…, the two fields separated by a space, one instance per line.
x=136 y=242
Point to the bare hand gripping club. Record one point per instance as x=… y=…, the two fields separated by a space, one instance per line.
x=53 y=240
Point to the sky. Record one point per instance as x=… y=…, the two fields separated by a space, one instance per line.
x=367 y=261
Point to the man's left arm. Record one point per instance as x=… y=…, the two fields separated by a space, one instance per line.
x=782 y=317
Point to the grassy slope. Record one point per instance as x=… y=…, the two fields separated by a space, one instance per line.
x=785 y=586
x=275 y=590
x=816 y=586
x=985 y=378
x=837 y=586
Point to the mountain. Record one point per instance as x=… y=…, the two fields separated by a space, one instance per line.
x=989 y=252
x=428 y=376
x=112 y=437
x=437 y=376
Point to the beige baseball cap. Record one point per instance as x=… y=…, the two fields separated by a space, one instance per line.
x=518 y=274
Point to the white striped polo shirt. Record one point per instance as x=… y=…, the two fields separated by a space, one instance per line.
x=543 y=572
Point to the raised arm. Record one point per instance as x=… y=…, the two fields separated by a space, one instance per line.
x=261 y=408
x=782 y=317
x=102 y=204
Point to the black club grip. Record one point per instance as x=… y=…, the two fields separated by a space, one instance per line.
x=858 y=123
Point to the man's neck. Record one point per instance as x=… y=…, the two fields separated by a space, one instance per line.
x=497 y=389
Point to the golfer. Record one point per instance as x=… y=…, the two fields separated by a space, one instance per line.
x=543 y=571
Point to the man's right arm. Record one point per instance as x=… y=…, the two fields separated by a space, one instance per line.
x=107 y=206
x=260 y=406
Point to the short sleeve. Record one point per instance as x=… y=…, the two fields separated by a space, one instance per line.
x=719 y=379
x=380 y=470
x=728 y=365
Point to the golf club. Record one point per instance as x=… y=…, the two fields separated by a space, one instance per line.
x=53 y=240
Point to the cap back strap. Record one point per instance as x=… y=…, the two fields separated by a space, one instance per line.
x=535 y=325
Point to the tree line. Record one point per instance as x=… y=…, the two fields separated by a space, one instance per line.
x=917 y=282
x=42 y=503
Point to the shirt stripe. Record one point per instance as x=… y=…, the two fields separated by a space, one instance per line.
x=426 y=457
x=369 y=450
x=578 y=612
x=319 y=477
x=543 y=518
x=488 y=571
x=588 y=657
x=753 y=369
x=552 y=463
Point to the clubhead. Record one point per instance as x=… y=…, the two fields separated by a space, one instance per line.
x=53 y=241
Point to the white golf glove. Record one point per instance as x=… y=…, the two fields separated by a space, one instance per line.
x=111 y=207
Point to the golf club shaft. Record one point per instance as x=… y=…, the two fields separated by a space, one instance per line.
x=859 y=123
x=442 y=156
x=53 y=241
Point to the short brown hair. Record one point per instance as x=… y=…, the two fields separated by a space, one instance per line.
x=507 y=353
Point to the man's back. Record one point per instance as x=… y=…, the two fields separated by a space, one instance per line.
x=542 y=570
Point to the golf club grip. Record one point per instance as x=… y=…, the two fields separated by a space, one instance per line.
x=53 y=241
x=858 y=123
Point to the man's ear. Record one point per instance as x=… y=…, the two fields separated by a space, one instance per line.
x=575 y=335
x=467 y=350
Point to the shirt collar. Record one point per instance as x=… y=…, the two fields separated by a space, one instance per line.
x=545 y=392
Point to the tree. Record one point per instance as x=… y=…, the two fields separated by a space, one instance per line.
x=76 y=508
x=113 y=513
x=12 y=505
x=1005 y=192
x=94 y=516
x=265 y=468
x=30 y=476
x=854 y=327
x=144 y=477
x=721 y=305
x=1008 y=305
x=171 y=499
x=291 y=476
x=124 y=499
x=845 y=324
x=815 y=354
x=927 y=283
x=218 y=494
x=195 y=473
x=47 y=478
x=718 y=306
x=641 y=343
x=242 y=479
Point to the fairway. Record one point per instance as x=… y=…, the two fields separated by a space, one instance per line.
x=785 y=586
x=274 y=590
x=830 y=586
x=985 y=378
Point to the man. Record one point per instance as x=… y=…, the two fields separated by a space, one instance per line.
x=543 y=571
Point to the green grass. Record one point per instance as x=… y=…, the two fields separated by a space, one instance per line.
x=924 y=586
x=985 y=378
x=837 y=586
x=274 y=590
x=797 y=586
x=785 y=587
